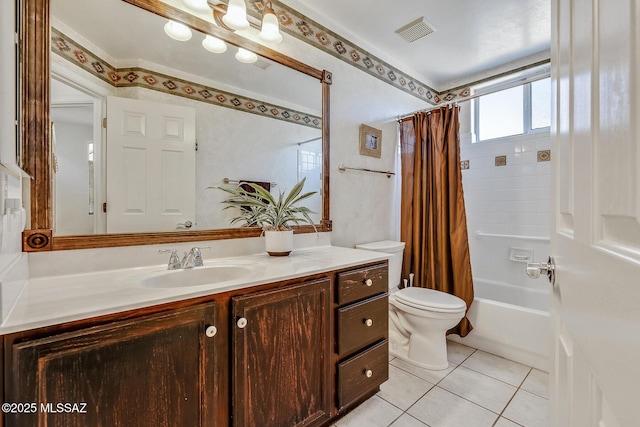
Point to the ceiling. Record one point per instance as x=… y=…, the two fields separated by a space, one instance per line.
x=474 y=39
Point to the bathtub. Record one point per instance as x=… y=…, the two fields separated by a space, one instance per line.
x=511 y=321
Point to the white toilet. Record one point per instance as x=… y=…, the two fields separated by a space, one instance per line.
x=418 y=317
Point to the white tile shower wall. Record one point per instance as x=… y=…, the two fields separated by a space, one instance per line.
x=509 y=200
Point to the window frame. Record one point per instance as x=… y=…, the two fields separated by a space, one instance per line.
x=527 y=110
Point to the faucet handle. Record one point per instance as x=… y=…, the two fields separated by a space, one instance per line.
x=197 y=255
x=174 y=261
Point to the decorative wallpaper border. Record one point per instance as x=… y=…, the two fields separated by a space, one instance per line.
x=314 y=34
x=67 y=48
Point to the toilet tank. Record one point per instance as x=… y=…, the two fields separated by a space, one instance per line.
x=395 y=262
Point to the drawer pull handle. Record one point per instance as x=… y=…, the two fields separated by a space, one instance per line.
x=368 y=373
x=211 y=331
x=242 y=322
x=368 y=282
x=368 y=322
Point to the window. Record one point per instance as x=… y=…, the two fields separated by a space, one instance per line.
x=515 y=111
x=541 y=104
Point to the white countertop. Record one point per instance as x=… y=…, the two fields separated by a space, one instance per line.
x=47 y=301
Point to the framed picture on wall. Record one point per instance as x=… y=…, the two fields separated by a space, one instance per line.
x=370 y=141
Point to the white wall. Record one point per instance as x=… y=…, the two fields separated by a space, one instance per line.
x=14 y=269
x=362 y=204
x=512 y=200
x=72 y=179
x=10 y=221
x=10 y=183
x=362 y=207
x=239 y=146
x=13 y=264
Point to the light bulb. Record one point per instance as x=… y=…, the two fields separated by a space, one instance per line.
x=177 y=31
x=236 y=16
x=270 y=31
x=246 y=56
x=214 y=44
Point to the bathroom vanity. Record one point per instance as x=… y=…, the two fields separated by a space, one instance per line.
x=300 y=342
x=246 y=341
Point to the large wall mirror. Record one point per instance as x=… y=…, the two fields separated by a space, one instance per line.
x=180 y=119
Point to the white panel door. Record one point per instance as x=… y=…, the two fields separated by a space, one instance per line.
x=150 y=166
x=596 y=203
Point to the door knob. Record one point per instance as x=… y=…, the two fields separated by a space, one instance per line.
x=211 y=331
x=368 y=282
x=186 y=224
x=535 y=269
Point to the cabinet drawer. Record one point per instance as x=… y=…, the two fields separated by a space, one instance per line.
x=362 y=323
x=362 y=373
x=359 y=284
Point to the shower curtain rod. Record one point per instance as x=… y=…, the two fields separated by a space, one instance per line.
x=308 y=140
x=426 y=110
x=509 y=84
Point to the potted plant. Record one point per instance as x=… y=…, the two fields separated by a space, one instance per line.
x=258 y=207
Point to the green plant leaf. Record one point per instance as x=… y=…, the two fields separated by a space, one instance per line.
x=260 y=207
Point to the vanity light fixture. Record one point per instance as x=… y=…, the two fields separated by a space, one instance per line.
x=270 y=31
x=177 y=31
x=233 y=16
x=236 y=16
x=197 y=5
x=214 y=44
x=246 y=56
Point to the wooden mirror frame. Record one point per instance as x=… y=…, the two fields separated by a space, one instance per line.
x=35 y=81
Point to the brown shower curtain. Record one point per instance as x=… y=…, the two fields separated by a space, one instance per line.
x=433 y=220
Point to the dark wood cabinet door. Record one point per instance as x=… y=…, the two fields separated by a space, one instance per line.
x=282 y=372
x=155 y=371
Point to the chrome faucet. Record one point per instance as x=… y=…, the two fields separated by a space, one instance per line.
x=174 y=261
x=191 y=259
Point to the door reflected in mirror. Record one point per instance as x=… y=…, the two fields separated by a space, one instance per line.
x=215 y=119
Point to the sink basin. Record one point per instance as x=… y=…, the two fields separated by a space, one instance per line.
x=198 y=276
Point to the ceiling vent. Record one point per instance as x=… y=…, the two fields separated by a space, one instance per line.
x=416 y=30
x=263 y=65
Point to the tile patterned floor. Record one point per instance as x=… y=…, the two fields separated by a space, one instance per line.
x=478 y=390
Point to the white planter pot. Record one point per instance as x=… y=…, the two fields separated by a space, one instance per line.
x=279 y=243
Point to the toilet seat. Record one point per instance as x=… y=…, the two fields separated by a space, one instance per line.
x=430 y=299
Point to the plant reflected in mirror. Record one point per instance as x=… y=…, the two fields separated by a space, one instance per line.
x=257 y=206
